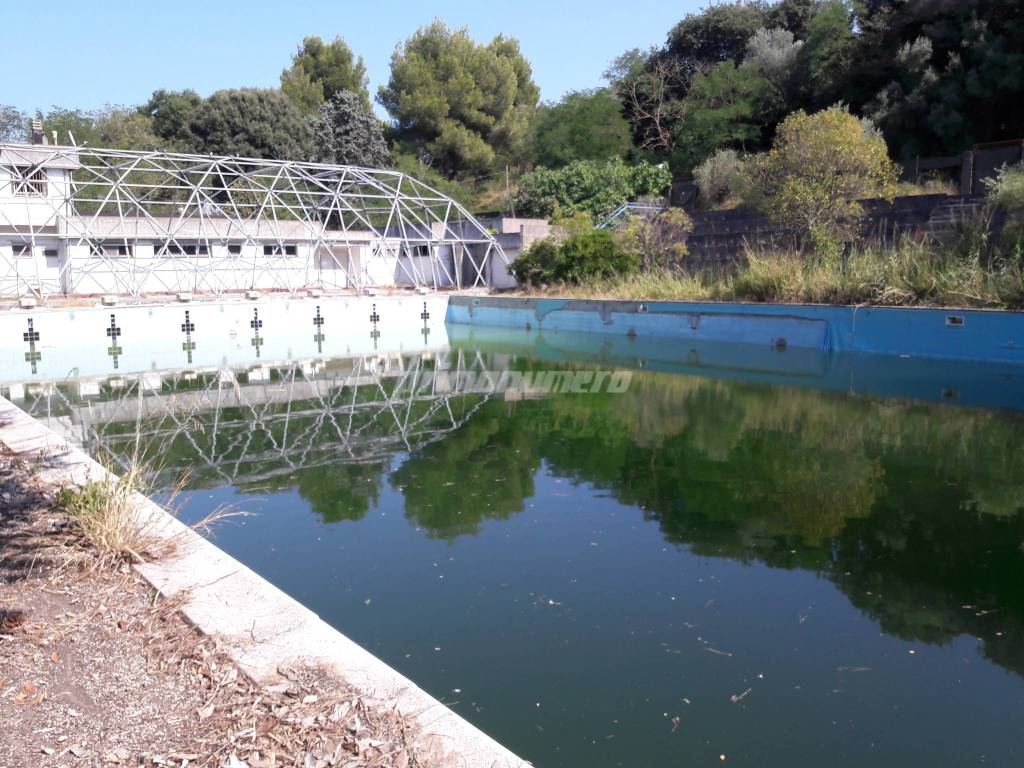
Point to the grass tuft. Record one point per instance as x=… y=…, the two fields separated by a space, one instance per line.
x=116 y=527
x=107 y=515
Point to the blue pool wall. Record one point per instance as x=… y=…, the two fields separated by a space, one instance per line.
x=982 y=335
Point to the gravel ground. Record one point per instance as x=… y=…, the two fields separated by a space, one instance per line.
x=96 y=670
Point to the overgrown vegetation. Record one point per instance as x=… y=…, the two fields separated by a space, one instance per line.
x=1006 y=193
x=586 y=254
x=114 y=526
x=718 y=177
x=908 y=273
x=727 y=80
x=818 y=169
x=728 y=74
x=588 y=186
x=976 y=265
x=107 y=515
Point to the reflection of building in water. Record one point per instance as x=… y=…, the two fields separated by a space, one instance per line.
x=243 y=426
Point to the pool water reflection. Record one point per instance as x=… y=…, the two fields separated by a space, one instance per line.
x=775 y=560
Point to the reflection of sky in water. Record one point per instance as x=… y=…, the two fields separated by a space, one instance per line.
x=800 y=571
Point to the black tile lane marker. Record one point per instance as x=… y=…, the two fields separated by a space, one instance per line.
x=374 y=334
x=256 y=324
x=319 y=337
x=188 y=346
x=31 y=336
x=112 y=333
x=425 y=316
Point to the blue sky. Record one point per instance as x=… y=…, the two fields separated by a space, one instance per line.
x=85 y=54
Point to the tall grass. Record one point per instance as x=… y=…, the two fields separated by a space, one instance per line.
x=107 y=516
x=653 y=285
x=115 y=527
x=906 y=273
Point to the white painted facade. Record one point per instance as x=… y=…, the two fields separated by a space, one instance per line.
x=89 y=221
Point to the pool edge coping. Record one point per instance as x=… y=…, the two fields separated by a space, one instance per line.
x=261 y=629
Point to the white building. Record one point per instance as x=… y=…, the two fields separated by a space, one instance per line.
x=79 y=220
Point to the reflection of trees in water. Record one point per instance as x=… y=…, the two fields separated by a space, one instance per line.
x=487 y=472
x=913 y=511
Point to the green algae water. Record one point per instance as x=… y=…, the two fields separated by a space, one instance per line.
x=765 y=558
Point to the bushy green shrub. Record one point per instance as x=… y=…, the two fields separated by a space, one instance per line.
x=1006 y=191
x=592 y=186
x=594 y=255
x=1007 y=188
x=586 y=254
x=538 y=264
x=718 y=177
x=817 y=170
x=658 y=243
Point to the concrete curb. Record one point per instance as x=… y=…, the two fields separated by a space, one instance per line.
x=259 y=626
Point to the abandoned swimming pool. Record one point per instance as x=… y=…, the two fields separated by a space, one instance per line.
x=774 y=557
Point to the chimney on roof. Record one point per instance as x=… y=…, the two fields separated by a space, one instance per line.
x=38 y=137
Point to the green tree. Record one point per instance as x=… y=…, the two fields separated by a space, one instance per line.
x=653 y=87
x=726 y=108
x=589 y=186
x=584 y=125
x=321 y=70
x=718 y=33
x=828 y=54
x=792 y=16
x=172 y=113
x=348 y=133
x=923 y=69
x=125 y=128
x=774 y=53
x=466 y=106
x=73 y=126
x=252 y=122
x=13 y=124
x=818 y=169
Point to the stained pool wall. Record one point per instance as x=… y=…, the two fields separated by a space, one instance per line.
x=983 y=335
x=81 y=342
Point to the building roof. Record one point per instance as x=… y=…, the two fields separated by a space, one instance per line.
x=36 y=154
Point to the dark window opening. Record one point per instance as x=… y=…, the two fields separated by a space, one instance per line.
x=22 y=250
x=177 y=249
x=234 y=249
x=279 y=250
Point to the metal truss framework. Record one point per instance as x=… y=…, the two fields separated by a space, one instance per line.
x=230 y=223
x=220 y=430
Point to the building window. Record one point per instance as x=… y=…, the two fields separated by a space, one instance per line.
x=279 y=250
x=28 y=181
x=234 y=250
x=21 y=250
x=103 y=248
x=180 y=249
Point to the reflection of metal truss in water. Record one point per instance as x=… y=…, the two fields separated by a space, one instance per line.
x=247 y=427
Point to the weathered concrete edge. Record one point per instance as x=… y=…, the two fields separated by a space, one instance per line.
x=260 y=627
